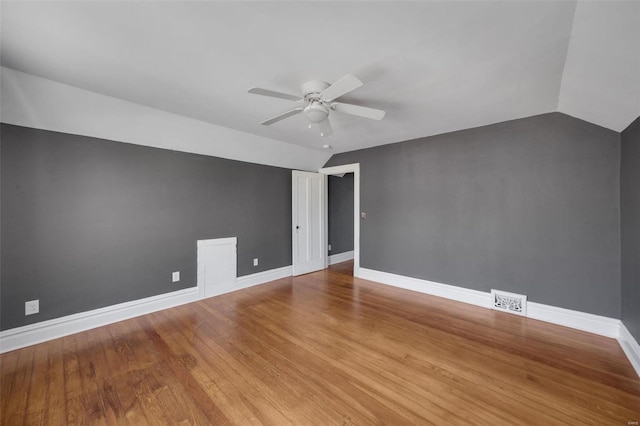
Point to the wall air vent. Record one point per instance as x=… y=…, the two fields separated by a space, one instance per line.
x=509 y=302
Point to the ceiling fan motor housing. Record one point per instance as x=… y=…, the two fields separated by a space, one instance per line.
x=312 y=89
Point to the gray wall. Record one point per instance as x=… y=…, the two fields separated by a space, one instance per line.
x=88 y=223
x=630 y=226
x=340 y=213
x=529 y=206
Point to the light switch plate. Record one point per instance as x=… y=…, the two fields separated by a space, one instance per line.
x=175 y=276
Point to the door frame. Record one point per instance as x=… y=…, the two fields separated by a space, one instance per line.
x=338 y=170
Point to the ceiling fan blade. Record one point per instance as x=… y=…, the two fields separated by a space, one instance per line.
x=341 y=87
x=375 y=114
x=325 y=128
x=282 y=116
x=273 y=94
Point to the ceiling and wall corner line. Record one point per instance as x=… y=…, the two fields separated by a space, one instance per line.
x=566 y=55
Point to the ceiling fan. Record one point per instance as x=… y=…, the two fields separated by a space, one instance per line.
x=319 y=98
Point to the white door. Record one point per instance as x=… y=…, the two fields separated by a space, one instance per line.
x=308 y=215
x=217 y=261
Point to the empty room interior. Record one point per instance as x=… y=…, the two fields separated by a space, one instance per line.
x=320 y=212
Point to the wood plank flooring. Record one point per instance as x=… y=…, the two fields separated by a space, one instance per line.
x=322 y=349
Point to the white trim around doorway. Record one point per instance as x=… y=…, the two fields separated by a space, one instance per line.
x=338 y=170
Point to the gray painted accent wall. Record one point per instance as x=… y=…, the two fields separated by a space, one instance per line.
x=630 y=227
x=529 y=206
x=340 y=213
x=88 y=223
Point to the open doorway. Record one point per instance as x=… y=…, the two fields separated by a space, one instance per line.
x=340 y=221
x=342 y=215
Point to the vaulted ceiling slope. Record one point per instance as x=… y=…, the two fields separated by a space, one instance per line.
x=435 y=67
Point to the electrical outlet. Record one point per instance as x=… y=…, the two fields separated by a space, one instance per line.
x=32 y=307
x=255 y=262
x=329 y=247
x=175 y=276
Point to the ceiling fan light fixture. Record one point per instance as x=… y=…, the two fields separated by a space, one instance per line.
x=316 y=112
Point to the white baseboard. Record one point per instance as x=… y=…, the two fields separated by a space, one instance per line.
x=263 y=277
x=474 y=297
x=340 y=257
x=630 y=347
x=591 y=323
x=596 y=324
x=31 y=334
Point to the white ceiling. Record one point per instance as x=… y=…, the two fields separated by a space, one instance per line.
x=434 y=67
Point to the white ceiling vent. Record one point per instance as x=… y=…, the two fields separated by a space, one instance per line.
x=509 y=302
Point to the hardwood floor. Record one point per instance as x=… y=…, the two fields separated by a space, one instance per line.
x=323 y=348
